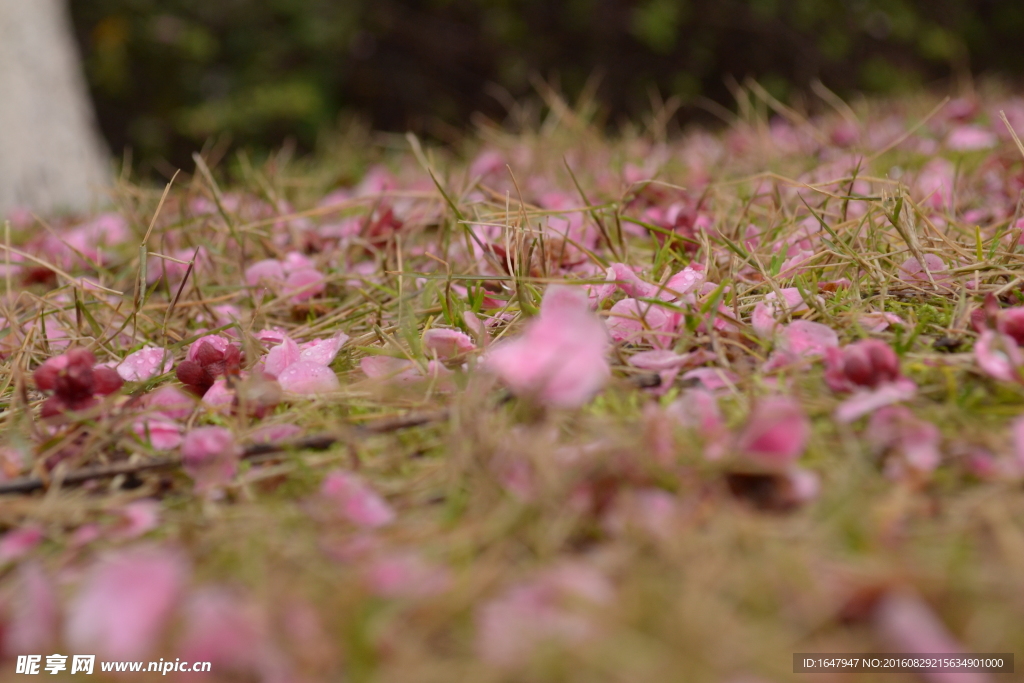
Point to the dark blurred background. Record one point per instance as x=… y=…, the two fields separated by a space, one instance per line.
x=167 y=75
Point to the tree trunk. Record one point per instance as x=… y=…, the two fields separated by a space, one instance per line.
x=51 y=156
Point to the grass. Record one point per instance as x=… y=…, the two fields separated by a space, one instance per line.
x=703 y=586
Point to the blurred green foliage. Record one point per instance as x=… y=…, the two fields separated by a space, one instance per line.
x=169 y=74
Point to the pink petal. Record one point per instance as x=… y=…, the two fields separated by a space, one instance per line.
x=662 y=359
x=630 y=283
x=137 y=518
x=653 y=511
x=998 y=355
x=308 y=378
x=271 y=337
x=967 y=138
x=866 y=401
x=807 y=339
x=146 y=363
x=560 y=357
x=934 y=184
x=697 y=409
x=269 y=271
x=686 y=281
x=634 y=322
x=776 y=433
x=763 y=319
x=712 y=379
x=12 y=461
x=280 y=357
x=232 y=634
x=905 y=623
x=804 y=485
x=294 y=261
x=218 y=342
x=34 y=613
x=210 y=456
x=511 y=627
x=912 y=271
x=219 y=395
x=355 y=500
x=275 y=433
x=171 y=402
x=406 y=575
x=18 y=543
x=878 y=321
x=915 y=442
x=475 y=325
x=164 y=434
x=122 y=608
x=658 y=359
x=322 y=351
x=84 y=535
x=305 y=283
x=388 y=367
x=766 y=312
x=447 y=343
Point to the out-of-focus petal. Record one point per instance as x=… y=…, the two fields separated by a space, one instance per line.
x=210 y=456
x=867 y=401
x=355 y=500
x=34 y=613
x=999 y=356
x=560 y=358
x=776 y=433
x=121 y=609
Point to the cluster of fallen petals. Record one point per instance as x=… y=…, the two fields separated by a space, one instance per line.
x=635 y=381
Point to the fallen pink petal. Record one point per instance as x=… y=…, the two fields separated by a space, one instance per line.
x=34 y=614
x=125 y=603
x=19 y=542
x=447 y=343
x=144 y=364
x=776 y=432
x=560 y=359
x=210 y=456
x=355 y=500
x=308 y=378
x=865 y=401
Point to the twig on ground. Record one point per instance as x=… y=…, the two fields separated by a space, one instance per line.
x=318 y=442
